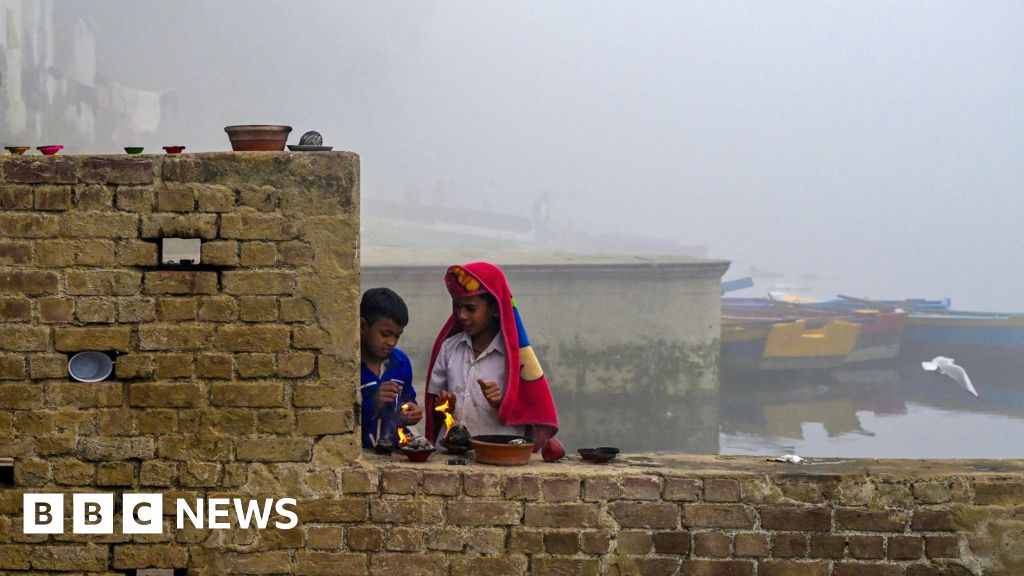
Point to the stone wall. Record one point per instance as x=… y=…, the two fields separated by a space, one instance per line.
x=238 y=369
x=663 y=516
x=237 y=379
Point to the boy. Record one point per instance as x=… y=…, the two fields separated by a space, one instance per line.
x=385 y=371
x=483 y=365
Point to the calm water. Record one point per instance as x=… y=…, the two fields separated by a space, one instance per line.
x=892 y=411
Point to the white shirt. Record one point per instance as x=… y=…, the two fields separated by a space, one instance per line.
x=457 y=371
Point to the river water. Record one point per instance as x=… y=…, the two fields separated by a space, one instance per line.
x=894 y=410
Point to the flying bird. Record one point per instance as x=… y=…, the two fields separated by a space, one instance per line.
x=946 y=366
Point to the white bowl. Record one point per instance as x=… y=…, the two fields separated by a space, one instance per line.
x=90 y=366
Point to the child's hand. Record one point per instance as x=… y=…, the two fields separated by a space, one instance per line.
x=411 y=413
x=388 y=392
x=491 y=392
x=446 y=396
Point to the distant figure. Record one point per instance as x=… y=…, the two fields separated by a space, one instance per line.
x=386 y=373
x=483 y=364
x=946 y=366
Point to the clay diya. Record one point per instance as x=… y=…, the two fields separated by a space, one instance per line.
x=173 y=149
x=417 y=455
x=50 y=150
x=456 y=439
x=133 y=149
x=16 y=150
x=416 y=449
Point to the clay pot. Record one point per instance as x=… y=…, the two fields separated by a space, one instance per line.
x=495 y=449
x=417 y=455
x=50 y=150
x=173 y=149
x=16 y=150
x=258 y=137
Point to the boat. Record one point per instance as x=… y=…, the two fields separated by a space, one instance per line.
x=934 y=327
x=764 y=334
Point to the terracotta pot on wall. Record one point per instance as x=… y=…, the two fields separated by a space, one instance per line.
x=258 y=137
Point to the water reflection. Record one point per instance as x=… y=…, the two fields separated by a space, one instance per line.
x=641 y=423
x=895 y=410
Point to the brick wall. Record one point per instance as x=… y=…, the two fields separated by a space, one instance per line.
x=238 y=379
x=237 y=375
x=698 y=516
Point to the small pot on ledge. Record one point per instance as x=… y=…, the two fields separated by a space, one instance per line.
x=258 y=137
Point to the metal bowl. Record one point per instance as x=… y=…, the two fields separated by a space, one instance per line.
x=598 y=455
x=90 y=366
x=495 y=449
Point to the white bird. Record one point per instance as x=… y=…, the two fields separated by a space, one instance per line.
x=946 y=366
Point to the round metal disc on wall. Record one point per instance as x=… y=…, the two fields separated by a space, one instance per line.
x=90 y=366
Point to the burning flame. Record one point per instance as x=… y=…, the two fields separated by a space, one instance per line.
x=446 y=410
x=402 y=438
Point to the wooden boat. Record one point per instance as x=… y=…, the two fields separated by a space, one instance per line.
x=767 y=335
x=933 y=327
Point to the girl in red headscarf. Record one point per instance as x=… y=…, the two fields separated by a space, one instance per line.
x=483 y=365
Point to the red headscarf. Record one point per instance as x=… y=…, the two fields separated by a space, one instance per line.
x=527 y=400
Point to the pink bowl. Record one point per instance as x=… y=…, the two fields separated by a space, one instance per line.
x=50 y=150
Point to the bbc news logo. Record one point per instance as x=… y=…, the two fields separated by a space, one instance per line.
x=143 y=513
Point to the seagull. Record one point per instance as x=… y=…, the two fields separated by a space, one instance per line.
x=946 y=366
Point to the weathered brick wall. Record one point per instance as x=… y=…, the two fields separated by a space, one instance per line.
x=238 y=375
x=238 y=379
x=696 y=516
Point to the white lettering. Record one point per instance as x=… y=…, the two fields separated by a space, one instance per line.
x=92 y=513
x=184 y=510
x=143 y=514
x=43 y=513
x=252 y=510
x=216 y=512
x=280 y=507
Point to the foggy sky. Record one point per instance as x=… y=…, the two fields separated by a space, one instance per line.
x=876 y=145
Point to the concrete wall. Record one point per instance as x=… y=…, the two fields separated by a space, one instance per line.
x=629 y=345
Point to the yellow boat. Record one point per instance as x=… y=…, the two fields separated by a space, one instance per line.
x=786 y=345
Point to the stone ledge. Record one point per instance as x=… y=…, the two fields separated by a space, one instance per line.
x=729 y=466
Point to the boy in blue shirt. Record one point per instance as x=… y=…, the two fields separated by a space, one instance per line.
x=389 y=399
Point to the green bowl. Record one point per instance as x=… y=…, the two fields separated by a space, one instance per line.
x=133 y=149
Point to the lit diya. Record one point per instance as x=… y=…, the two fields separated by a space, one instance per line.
x=456 y=437
x=415 y=448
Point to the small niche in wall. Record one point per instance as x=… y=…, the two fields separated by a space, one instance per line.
x=180 y=251
x=92 y=366
x=6 y=471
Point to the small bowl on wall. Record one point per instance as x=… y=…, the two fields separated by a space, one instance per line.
x=417 y=455
x=50 y=150
x=598 y=455
x=16 y=150
x=258 y=137
x=500 y=449
x=133 y=149
x=173 y=149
